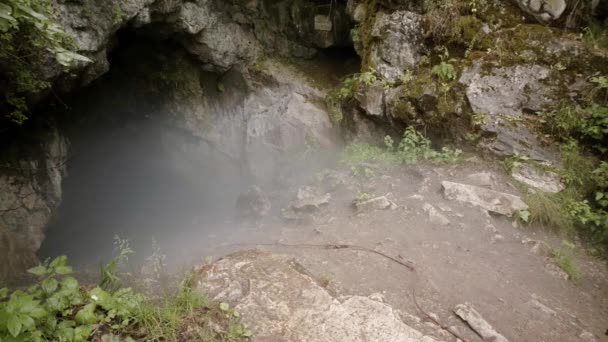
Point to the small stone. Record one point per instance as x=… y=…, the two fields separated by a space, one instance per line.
x=542 y=307
x=485 y=179
x=378 y=203
x=546 y=181
x=498 y=238
x=587 y=336
x=494 y=201
x=478 y=323
x=435 y=216
x=307 y=199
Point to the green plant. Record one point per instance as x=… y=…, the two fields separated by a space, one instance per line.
x=549 y=210
x=56 y=308
x=563 y=259
x=189 y=316
x=363 y=197
x=596 y=34
x=412 y=147
x=444 y=71
x=110 y=281
x=27 y=36
x=116 y=13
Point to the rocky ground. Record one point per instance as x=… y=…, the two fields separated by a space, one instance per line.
x=306 y=285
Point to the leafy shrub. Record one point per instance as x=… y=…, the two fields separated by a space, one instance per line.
x=58 y=309
x=412 y=148
x=345 y=91
x=563 y=258
x=27 y=35
x=445 y=71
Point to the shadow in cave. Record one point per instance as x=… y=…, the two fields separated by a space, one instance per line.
x=130 y=174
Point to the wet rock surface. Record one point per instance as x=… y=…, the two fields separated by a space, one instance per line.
x=282 y=302
x=397 y=44
x=30 y=191
x=493 y=201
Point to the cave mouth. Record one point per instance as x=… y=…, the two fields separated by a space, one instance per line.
x=124 y=178
x=133 y=174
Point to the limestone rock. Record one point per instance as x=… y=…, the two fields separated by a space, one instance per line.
x=30 y=191
x=435 y=216
x=544 y=10
x=397 y=43
x=281 y=302
x=377 y=203
x=485 y=179
x=371 y=98
x=493 y=201
x=501 y=96
x=546 y=181
x=307 y=199
x=506 y=90
x=478 y=323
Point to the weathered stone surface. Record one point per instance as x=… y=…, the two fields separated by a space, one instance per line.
x=371 y=98
x=478 y=323
x=544 y=10
x=546 y=181
x=494 y=201
x=484 y=178
x=282 y=302
x=435 y=216
x=222 y=34
x=506 y=90
x=259 y=123
x=397 y=43
x=502 y=96
x=308 y=199
x=377 y=203
x=30 y=191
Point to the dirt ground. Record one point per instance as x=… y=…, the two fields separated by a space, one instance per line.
x=504 y=270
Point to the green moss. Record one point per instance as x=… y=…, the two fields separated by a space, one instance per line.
x=365 y=33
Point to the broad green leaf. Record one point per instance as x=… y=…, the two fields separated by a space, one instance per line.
x=63 y=270
x=81 y=333
x=102 y=297
x=86 y=315
x=14 y=325
x=32 y=13
x=38 y=313
x=59 y=261
x=28 y=323
x=38 y=270
x=69 y=283
x=49 y=285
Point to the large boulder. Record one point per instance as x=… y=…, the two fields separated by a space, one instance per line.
x=280 y=300
x=501 y=96
x=397 y=43
x=490 y=200
x=544 y=10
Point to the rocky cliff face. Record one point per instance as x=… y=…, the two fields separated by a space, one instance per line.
x=30 y=191
x=470 y=72
x=255 y=117
x=221 y=34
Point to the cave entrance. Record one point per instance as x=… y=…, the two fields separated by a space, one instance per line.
x=136 y=174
